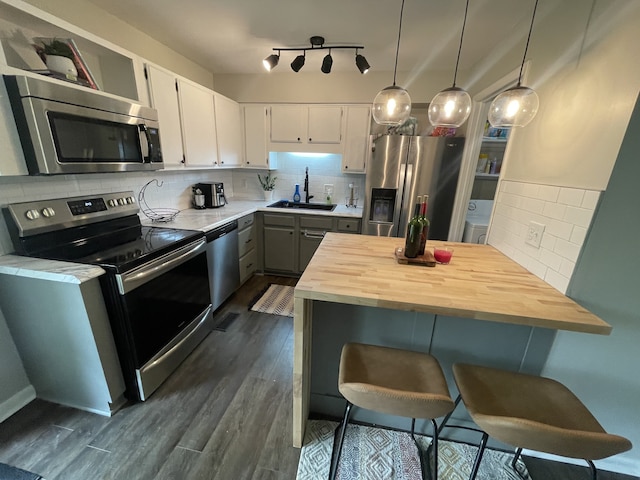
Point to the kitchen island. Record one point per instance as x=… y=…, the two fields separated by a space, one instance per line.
x=482 y=306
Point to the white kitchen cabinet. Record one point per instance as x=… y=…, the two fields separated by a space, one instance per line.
x=228 y=131
x=198 y=125
x=163 y=94
x=324 y=124
x=311 y=128
x=357 y=139
x=187 y=119
x=255 y=119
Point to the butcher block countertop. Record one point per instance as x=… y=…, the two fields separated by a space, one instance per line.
x=480 y=283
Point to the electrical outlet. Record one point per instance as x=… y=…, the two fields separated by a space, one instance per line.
x=534 y=234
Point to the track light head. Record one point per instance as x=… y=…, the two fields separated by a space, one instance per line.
x=362 y=64
x=297 y=63
x=271 y=62
x=327 y=63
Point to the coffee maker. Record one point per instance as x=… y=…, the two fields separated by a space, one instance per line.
x=213 y=194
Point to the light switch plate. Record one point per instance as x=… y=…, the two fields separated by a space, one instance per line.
x=534 y=234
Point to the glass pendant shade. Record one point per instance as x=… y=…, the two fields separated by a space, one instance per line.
x=514 y=107
x=392 y=106
x=450 y=108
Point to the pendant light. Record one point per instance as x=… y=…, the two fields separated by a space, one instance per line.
x=392 y=105
x=452 y=106
x=516 y=106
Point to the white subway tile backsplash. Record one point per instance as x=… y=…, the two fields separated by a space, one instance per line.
x=571 y=196
x=548 y=193
x=578 y=235
x=578 y=216
x=590 y=199
x=567 y=214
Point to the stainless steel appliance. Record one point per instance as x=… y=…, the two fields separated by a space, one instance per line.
x=213 y=194
x=403 y=167
x=223 y=258
x=66 y=130
x=156 y=286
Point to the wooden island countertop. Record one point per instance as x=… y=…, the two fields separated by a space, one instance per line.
x=479 y=283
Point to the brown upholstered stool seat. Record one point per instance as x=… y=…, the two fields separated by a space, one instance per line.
x=395 y=382
x=534 y=412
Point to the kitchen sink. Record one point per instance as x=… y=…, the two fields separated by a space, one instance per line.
x=304 y=206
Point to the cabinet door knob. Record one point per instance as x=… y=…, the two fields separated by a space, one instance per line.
x=298 y=138
x=309 y=138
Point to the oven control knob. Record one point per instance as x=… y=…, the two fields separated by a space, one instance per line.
x=32 y=214
x=121 y=201
x=131 y=200
x=48 y=212
x=113 y=202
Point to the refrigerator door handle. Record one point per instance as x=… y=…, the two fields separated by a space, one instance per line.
x=403 y=204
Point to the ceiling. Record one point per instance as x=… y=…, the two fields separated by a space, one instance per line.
x=233 y=36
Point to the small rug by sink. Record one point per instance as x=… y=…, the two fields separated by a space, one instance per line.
x=7 y=472
x=374 y=453
x=277 y=300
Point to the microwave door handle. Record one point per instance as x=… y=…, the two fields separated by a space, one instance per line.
x=149 y=149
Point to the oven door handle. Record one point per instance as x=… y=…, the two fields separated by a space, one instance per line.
x=131 y=280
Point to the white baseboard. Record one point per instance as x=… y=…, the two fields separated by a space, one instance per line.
x=617 y=463
x=16 y=402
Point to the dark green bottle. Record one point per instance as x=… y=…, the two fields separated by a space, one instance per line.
x=414 y=233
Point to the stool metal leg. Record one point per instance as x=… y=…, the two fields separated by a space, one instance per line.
x=446 y=419
x=476 y=463
x=420 y=453
x=514 y=463
x=335 y=454
x=594 y=470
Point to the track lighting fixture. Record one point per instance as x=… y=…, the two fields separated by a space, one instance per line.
x=362 y=63
x=317 y=43
x=452 y=106
x=392 y=105
x=298 y=63
x=271 y=61
x=327 y=63
x=516 y=106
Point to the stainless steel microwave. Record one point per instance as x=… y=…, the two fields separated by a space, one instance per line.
x=65 y=130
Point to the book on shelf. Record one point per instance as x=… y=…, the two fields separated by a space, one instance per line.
x=85 y=77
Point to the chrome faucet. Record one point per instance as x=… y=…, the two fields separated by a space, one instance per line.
x=307 y=197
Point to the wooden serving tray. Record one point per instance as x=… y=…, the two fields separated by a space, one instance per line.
x=426 y=260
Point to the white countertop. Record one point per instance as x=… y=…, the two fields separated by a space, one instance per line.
x=190 y=219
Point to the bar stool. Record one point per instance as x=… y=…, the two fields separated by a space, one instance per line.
x=395 y=382
x=532 y=412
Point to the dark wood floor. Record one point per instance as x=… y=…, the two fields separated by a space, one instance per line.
x=224 y=414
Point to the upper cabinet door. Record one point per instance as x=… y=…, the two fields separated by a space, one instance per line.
x=229 y=131
x=324 y=124
x=357 y=139
x=198 y=125
x=164 y=98
x=256 y=153
x=288 y=123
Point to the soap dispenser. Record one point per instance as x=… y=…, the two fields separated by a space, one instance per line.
x=296 y=195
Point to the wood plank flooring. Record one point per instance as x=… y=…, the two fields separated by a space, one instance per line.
x=224 y=414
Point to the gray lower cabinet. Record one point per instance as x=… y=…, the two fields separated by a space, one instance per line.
x=247 y=247
x=290 y=240
x=279 y=243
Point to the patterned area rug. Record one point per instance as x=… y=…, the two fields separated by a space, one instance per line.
x=374 y=454
x=277 y=300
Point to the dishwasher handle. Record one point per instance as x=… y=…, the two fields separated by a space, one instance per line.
x=216 y=233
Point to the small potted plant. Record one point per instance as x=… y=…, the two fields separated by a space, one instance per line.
x=59 y=58
x=268 y=184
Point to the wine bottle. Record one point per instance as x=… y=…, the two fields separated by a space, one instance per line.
x=424 y=223
x=414 y=232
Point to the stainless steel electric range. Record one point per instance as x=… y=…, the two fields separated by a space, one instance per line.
x=156 y=285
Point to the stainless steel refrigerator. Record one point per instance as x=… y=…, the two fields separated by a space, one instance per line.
x=401 y=168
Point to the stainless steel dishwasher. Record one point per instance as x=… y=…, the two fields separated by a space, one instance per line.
x=222 y=258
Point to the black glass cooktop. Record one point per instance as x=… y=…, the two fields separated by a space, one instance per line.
x=117 y=245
